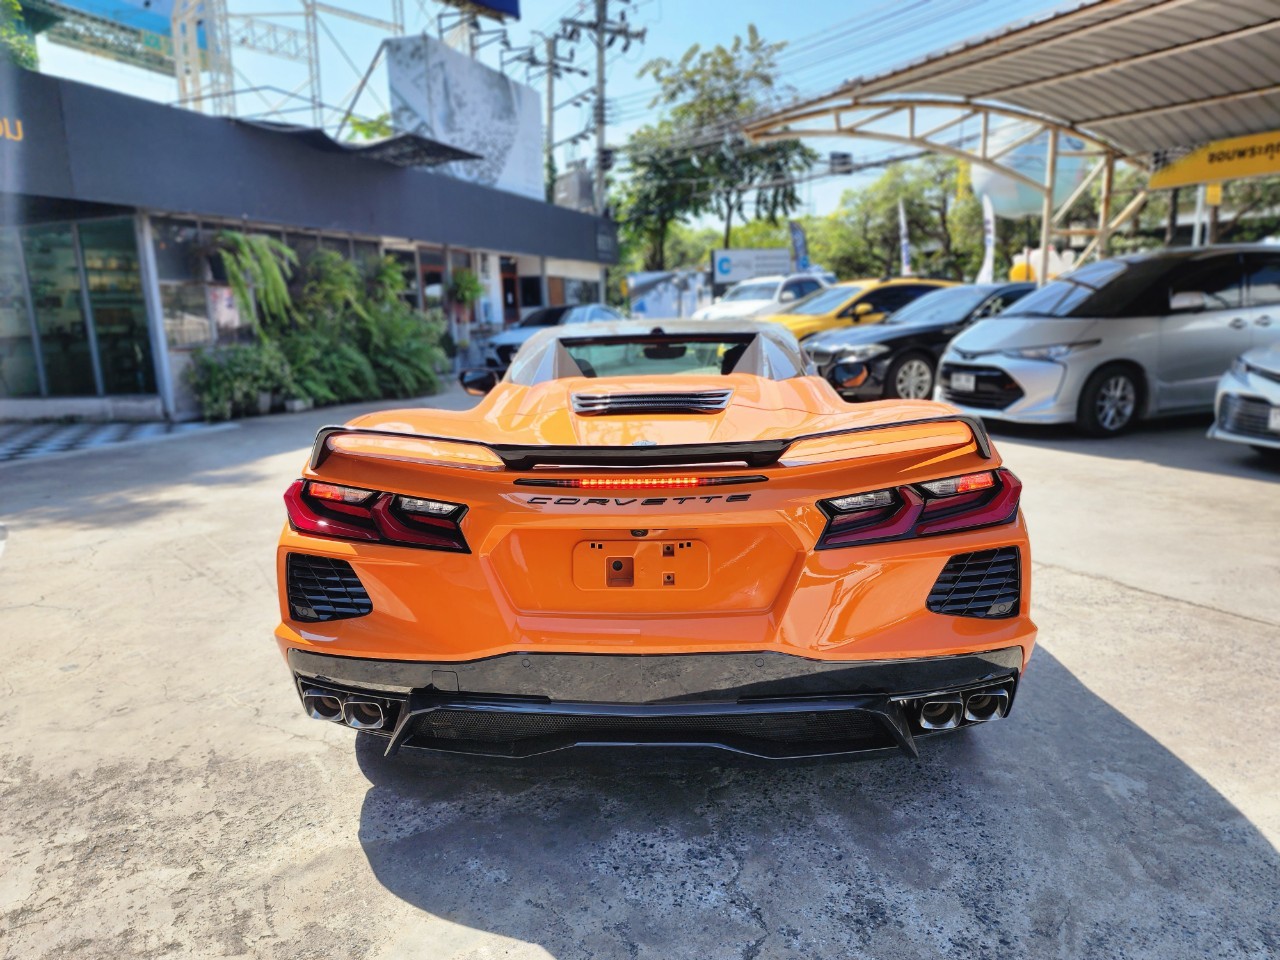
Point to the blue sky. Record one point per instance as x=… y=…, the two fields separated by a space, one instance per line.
x=828 y=41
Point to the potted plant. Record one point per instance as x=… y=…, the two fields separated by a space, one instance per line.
x=464 y=291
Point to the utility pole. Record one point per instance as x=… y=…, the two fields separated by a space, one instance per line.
x=549 y=152
x=604 y=32
x=602 y=23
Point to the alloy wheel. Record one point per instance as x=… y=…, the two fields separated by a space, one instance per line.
x=1116 y=402
x=914 y=380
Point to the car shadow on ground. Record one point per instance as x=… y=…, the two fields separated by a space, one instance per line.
x=1177 y=442
x=1064 y=831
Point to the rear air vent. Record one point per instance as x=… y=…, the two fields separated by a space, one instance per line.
x=321 y=588
x=698 y=401
x=985 y=584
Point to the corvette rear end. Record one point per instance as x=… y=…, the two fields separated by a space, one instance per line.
x=724 y=557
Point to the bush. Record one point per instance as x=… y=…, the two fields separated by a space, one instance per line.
x=227 y=380
x=342 y=334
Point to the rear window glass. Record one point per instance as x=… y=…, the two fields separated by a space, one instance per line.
x=657 y=356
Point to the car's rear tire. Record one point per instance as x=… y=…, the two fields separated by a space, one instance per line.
x=1110 y=402
x=910 y=377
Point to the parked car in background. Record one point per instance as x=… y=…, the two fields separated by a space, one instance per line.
x=1118 y=340
x=1247 y=407
x=761 y=295
x=898 y=358
x=499 y=349
x=854 y=302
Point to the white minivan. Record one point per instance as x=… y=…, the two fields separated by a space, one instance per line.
x=1118 y=340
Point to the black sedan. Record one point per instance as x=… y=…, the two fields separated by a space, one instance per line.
x=899 y=357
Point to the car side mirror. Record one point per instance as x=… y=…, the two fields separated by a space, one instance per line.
x=1186 y=301
x=478 y=382
x=787 y=296
x=862 y=309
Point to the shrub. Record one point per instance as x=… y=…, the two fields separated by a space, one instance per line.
x=227 y=380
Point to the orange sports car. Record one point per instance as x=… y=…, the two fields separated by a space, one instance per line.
x=663 y=535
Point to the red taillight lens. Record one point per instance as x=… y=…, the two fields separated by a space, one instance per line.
x=350 y=513
x=939 y=506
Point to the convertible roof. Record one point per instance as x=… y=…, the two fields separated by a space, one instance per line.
x=771 y=350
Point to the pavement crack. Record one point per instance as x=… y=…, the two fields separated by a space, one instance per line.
x=1111 y=581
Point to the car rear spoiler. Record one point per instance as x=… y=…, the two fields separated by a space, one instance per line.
x=755 y=453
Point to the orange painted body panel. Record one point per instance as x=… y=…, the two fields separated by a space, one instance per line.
x=738 y=576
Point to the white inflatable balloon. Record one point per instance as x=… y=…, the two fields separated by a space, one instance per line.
x=1012 y=199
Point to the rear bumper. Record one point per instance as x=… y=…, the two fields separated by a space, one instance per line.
x=763 y=704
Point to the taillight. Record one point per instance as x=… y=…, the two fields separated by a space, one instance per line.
x=921 y=510
x=352 y=513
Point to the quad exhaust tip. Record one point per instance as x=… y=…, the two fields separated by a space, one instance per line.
x=322 y=705
x=364 y=715
x=985 y=705
x=942 y=712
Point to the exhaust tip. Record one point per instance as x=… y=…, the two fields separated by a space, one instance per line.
x=364 y=715
x=986 y=705
x=941 y=712
x=322 y=705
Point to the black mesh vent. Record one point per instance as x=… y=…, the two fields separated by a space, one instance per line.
x=1246 y=416
x=993 y=388
x=321 y=588
x=816 y=726
x=985 y=584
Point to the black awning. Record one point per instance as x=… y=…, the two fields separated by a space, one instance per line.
x=401 y=149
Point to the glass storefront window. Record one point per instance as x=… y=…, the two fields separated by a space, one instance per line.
x=304 y=245
x=54 y=275
x=339 y=245
x=433 y=291
x=110 y=253
x=18 y=374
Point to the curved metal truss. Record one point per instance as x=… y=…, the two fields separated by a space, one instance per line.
x=937 y=125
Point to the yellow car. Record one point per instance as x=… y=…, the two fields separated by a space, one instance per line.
x=853 y=302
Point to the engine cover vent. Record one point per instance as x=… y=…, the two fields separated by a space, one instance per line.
x=698 y=401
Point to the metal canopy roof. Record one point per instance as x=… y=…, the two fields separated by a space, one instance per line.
x=1138 y=76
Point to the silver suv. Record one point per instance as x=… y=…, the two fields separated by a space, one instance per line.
x=1118 y=340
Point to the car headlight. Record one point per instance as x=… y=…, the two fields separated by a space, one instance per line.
x=1240 y=369
x=861 y=351
x=1055 y=351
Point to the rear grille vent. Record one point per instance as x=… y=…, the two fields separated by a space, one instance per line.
x=699 y=401
x=321 y=588
x=479 y=726
x=985 y=584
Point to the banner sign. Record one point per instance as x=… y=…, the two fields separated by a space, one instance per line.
x=730 y=266
x=904 y=239
x=444 y=95
x=799 y=245
x=1257 y=155
x=987 y=272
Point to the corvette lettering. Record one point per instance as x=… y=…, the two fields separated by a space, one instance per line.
x=538 y=501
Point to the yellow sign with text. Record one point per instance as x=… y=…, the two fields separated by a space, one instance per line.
x=1257 y=155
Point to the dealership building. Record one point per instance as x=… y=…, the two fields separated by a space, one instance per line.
x=109 y=205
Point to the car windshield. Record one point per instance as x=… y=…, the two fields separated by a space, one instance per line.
x=941 y=306
x=752 y=291
x=1102 y=289
x=545 y=318
x=663 y=356
x=825 y=301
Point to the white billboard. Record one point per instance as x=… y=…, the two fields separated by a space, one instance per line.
x=444 y=95
x=730 y=266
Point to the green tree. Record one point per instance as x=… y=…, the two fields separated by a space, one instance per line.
x=16 y=43
x=710 y=94
x=660 y=191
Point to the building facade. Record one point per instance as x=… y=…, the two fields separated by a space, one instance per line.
x=109 y=206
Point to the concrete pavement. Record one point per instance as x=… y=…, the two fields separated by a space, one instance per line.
x=162 y=794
